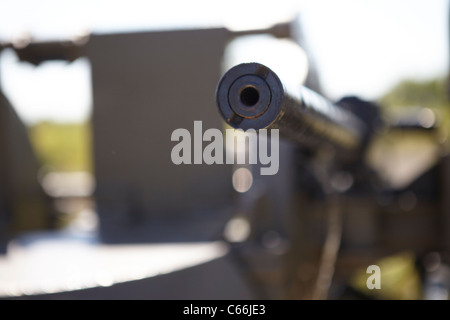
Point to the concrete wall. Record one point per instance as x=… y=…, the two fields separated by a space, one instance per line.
x=145 y=86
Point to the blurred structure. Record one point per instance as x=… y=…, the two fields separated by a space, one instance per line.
x=145 y=87
x=24 y=206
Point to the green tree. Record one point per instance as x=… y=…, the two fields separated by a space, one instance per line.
x=62 y=147
x=430 y=94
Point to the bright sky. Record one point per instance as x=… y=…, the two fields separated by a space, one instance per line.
x=361 y=47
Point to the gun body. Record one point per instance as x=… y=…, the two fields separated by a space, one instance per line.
x=342 y=203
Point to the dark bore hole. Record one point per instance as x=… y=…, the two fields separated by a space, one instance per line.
x=249 y=96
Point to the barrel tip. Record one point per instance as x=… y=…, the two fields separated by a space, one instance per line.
x=249 y=96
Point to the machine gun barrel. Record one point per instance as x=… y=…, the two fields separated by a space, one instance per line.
x=251 y=95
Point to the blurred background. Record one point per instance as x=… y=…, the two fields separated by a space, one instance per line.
x=92 y=207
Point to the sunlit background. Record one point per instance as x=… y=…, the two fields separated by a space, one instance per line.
x=359 y=47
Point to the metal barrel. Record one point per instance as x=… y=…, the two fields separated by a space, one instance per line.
x=250 y=95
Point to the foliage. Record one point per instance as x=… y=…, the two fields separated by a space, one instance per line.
x=62 y=146
x=408 y=96
x=427 y=94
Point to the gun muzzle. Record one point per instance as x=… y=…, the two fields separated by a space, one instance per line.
x=250 y=95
